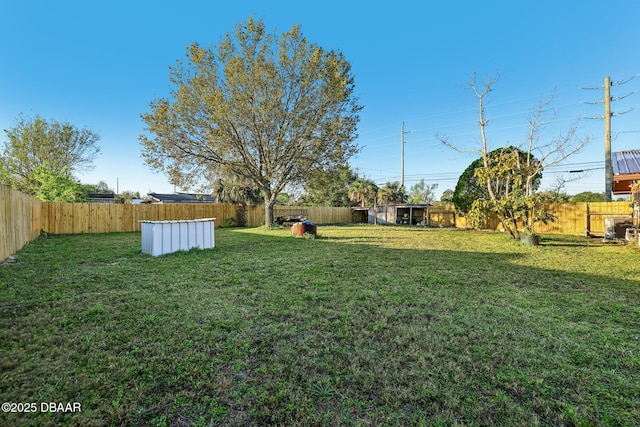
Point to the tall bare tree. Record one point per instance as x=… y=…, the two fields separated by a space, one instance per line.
x=510 y=178
x=265 y=107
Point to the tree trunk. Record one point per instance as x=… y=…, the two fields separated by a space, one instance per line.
x=242 y=214
x=268 y=212
x=511 y=229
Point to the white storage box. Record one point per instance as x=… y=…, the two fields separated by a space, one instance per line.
x=163 y=237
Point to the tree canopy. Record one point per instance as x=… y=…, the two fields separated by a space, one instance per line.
x=447 y=196
x=422 y=193
x=264 y=107
x=468 y=189
x=37 y=148
x=58 y=187
x=329 y=187
x=363 y=191
x=588 y=196
x=392 y=192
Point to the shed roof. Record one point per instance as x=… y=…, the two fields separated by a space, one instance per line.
x=626 y=162
x=101 y=195
x=626 y=170
x=183 y=198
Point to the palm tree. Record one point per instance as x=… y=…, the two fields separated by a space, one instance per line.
x=392 y=192
x=363 y=191
x=235 y=190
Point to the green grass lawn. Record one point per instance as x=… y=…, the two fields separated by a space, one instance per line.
x=364 y=325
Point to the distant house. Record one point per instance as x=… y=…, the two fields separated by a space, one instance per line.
x=181 y=198
x=626 y=170
x=102 y=198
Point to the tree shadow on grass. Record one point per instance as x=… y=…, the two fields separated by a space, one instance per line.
x=574 y=241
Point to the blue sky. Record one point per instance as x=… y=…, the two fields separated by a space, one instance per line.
x=99 y=64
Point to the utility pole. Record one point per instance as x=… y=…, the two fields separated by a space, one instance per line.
x=608 y=179
x=402 y=132
x=402 y=155
x=607 y=99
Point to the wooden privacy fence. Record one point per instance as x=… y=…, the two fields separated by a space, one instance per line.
x=22 y=217
x=78 y=218
x=20 y=220
x=441 y=216
x=316 y=214
x=571 y=218
x=583 y=218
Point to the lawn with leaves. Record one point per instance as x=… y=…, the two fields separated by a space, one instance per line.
x=365 y=325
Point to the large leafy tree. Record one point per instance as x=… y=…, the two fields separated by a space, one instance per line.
x=422 y=193
x=266 y=107
x=38 y=148
x=58 y=187
x=468 y=189
x=330 y=187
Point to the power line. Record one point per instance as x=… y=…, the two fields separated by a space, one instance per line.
x=455 y=124
x=624 y=131
x=628 y=79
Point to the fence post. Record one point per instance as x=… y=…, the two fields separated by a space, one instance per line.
x=588 y=220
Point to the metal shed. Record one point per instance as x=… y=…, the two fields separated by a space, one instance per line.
x=408 y=214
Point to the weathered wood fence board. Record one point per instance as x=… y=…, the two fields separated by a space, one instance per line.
x=597 y=212
x=316 y=214
x=254 y=215
x=78 y=218
x=571 y=218
x=20 y=220
x=442 y=216
x=324 y=214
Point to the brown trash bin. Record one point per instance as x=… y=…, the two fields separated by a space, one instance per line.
x=301 y=228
